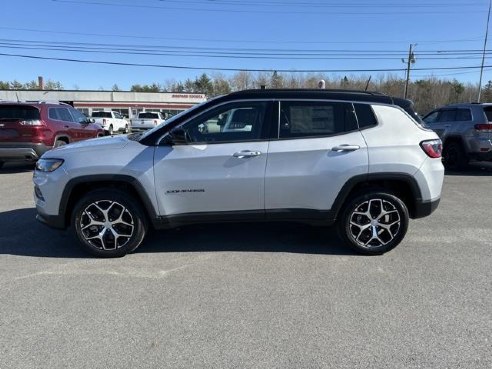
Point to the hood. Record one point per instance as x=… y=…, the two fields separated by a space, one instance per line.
x=94 y=145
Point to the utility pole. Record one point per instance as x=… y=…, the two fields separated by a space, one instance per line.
x=483 y=55
x=410 y=61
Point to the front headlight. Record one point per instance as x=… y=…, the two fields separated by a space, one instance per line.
x=48 y=165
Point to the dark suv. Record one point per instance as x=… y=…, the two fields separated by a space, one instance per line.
x=466 y=132
x=28 y=130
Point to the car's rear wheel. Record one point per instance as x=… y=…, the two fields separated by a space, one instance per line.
x=110 y=130
x=1 y=164
x=374 y=223
x=126 y=129
x=454 y=157
x=59 y=143
x=109 y=223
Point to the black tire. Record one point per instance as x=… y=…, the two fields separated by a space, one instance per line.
x=126 y=129
x=454 y=157
x=124 y=217
x=59 y=143
x=110 y=130
x=379 y=237
x=1 y=164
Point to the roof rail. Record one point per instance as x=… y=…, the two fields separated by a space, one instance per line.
x=314 y=90
x=45 y=102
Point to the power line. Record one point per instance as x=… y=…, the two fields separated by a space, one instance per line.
x=84 y=61
x=230 y=55
x=236 y=41
x=350 y=12
x=237 y=51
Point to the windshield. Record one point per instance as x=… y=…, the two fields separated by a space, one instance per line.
x=171 y=120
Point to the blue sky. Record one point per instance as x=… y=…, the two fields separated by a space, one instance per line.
x=237 y=34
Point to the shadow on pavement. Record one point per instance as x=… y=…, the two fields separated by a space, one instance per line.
x=21 y=167
x=478 y=169
x=244 y=237
x=21 y=234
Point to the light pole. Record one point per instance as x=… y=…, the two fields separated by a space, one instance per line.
x=410 y=61
x=483 y=55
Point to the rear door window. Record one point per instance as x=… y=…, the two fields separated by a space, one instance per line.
x=448 y=115
x=463 y=115
x=300 y=119
x=62 y=114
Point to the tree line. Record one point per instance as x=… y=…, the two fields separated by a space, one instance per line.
x=31 y=85
x=427 y=94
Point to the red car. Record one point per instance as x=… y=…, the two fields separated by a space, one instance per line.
x=28 y=130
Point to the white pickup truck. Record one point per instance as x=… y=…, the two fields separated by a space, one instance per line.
x=111 y=121
x=146 y=120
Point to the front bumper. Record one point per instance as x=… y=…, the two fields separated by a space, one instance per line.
x=52 y=221
x=22 y=151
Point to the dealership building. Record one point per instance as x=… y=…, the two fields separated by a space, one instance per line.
x=128 y=103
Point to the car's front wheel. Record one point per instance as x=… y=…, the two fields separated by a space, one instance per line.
x=109 y=223
x=374 y=223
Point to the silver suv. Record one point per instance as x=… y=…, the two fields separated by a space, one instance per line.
x=359 y=160
x=466 y=132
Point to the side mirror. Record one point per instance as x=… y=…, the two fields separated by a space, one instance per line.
x=177 y=136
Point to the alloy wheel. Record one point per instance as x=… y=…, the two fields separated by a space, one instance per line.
x=107 y=225
x=374 y=223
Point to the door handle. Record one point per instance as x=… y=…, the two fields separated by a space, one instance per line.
x=345 y=147
x=246 y=154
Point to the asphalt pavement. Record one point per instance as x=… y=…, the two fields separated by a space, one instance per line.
x=250 y=295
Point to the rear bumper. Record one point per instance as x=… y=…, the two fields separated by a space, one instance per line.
x=22 y=151
x=482 y=156
x=481 y=149
x=134 y=129
x=425 y=208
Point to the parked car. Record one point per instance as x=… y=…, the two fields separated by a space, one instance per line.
x=466 y=132
x=111 y=121
x=146 y=120
x=29 y=129
x=314 y=156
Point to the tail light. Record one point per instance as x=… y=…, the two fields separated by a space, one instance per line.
x=155 y=122
x=485 y=128
x=32 y=122
x=433 y=148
